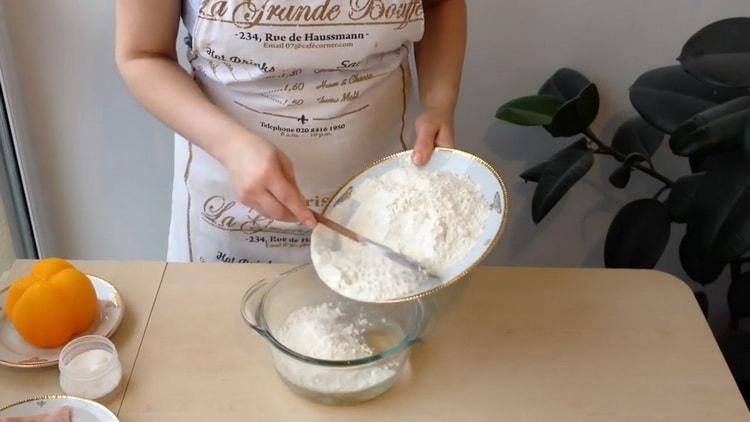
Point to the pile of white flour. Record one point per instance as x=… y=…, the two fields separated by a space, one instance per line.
x=433 y=217
x=324 y=332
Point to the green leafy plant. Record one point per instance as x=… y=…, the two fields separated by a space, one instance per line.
x=702 y=106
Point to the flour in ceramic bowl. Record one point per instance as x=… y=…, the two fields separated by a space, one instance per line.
x=433 y=217
x=326 y=332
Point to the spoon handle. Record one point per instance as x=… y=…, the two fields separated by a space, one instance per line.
x=338 y=228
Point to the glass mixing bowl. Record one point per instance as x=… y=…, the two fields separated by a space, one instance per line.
x=391 y=330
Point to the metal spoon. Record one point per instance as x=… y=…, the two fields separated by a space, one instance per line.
x=378 y=248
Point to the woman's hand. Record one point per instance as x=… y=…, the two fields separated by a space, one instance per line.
x=440 y=57
x=263 y=179
x=146 y=56
x=434 y=129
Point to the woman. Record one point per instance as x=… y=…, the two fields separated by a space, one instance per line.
x=287 y=100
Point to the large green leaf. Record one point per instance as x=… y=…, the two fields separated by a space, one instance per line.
x=681 y=199
x=638 y=235
x=536 y=110
x=733 y=239
x=719 y=223
x=534 y=174
x=697 y=163
x=738 y=297
x=701 y=268
x=565 y=84
x=703 y=163
x=720 y=53
x=581 y=102
x=636 y=135
x=562 y=171
x=667 y=96
x=720 y=128
x=576 y=114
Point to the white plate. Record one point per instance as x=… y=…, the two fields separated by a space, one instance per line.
x=82 y=410
x=454 y=161
x=16 y=352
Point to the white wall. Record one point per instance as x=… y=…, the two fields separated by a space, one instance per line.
x=96 y=166
x=113 y=200
x=514 y=47
x=7 y=252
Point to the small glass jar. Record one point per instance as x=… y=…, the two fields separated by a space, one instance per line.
x=89 y=367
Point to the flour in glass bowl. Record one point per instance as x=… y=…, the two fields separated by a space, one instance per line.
x=325 y=332
x=433 y=217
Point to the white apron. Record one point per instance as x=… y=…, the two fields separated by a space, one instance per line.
x=326 y=81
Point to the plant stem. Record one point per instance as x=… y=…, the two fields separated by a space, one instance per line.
x=606 y=149
x=662 y=190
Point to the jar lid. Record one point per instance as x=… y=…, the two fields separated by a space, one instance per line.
x=88 y=357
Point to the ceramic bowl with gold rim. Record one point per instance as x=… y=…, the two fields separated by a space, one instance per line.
x=481 y=173
x=81 y=410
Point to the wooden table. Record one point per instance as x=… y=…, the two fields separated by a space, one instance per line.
x=138 y=283
x=516 y=344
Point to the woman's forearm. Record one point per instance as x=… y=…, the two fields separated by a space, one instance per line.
x=440 y=54
x=169 y=93
x=440 y=59
x=146 y=56
x=262 y=176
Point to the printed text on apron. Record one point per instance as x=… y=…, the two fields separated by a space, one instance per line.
x=326 y=81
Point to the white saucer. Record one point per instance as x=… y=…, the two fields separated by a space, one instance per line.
x=82 y=410
x=16 y=352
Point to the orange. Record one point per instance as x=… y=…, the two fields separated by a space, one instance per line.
x=80 y=295
x=52 y=304
x=15 y=292
x=46 y=268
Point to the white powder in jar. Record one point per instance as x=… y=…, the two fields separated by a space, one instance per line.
x=434 y=217
x=325 y=332
x=85 y=375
